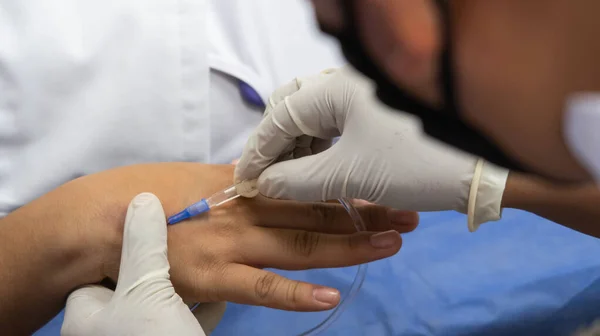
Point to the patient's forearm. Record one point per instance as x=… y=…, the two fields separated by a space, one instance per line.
x=44 y=254
x=576 y=207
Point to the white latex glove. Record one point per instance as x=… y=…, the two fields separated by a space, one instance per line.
x=382 y=155
x=144 y=302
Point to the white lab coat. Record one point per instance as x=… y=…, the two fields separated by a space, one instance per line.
x=91 y=85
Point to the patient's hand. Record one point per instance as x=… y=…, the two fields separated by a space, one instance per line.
x=219 y=256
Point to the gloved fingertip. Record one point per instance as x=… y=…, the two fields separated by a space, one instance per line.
x=247 y=188
x=144 y=199
x=270 y=183
x=145 y=219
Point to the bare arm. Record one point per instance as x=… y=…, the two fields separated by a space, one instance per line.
x=45 y=252
x=576 y=207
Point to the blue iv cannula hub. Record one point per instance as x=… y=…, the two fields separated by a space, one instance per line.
x=205 y=204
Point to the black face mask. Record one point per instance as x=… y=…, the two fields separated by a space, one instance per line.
x=445 y=125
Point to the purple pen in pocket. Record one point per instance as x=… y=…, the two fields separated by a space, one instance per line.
x=250 y=95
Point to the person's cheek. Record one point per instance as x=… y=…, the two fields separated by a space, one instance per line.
x=531 y=134
x=404 y=46
x=511 y=92
x=375 y=33
x=329 y=14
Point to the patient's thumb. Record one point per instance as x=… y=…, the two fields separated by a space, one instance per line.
x=310 y=178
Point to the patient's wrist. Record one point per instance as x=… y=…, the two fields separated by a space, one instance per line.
x=522 y=191
x=94 y=229
x=112 y=239
x=97 y=244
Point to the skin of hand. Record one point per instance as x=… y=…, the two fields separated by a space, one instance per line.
x=72 y=236
x=507 y=85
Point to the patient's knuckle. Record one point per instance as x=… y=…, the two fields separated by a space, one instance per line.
x=217 y=272
x=265 y=285
x=293 y=293
x=213 y=294
x=219 y=269
x=325 y=213
x=353 y=242
x=211 y=268
x=305 y=243
x=375 y=216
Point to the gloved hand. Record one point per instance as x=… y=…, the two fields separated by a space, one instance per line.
x=381 y=157
x=144 y=302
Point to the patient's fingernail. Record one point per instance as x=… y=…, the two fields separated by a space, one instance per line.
x=328 y=296
x=401 y=218
x=359 y=202
x=385 y=240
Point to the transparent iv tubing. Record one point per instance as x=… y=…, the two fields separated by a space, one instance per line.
x=360 y=273
x=223 y=196
x=358 y=279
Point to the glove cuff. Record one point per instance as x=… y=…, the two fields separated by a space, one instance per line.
x=485 y=195
x=209 y=314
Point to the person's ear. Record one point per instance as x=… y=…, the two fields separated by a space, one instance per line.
x=404 y=38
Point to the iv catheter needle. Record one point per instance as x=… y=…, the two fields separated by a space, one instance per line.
x=205 y=204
